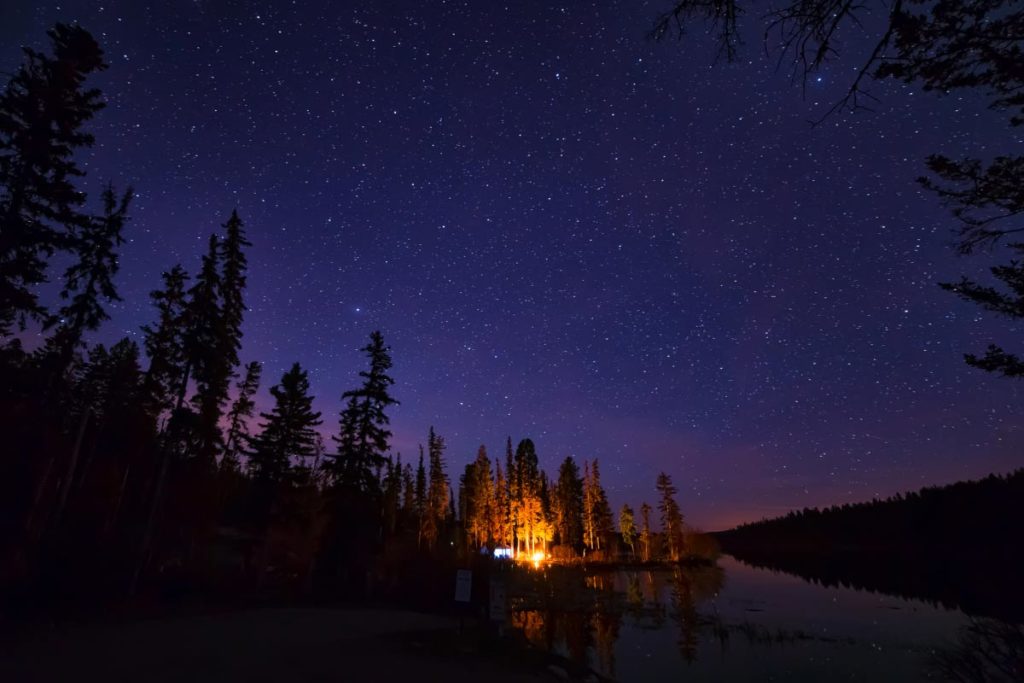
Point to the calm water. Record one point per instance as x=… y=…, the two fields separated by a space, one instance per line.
x=734 y=622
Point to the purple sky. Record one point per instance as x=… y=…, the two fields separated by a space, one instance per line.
x=566 y=232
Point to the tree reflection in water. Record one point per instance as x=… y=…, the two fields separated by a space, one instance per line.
x=582 y=617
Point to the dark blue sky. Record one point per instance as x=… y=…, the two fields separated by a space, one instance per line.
x=566 y=232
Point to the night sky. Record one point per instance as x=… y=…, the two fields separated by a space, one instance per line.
x=565 y=231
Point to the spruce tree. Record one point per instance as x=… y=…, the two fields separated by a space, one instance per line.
x=671 y=517
x=392 y=494
x=408 y=492
x=482 y=514
x=603 y=524
x=645 y=531
x=421 y=498
x=90 y=279
x=526 y=504
x=42 y=113
x=238 y=416
x=288 y=431
x=234 y=266
x=364 y=436
x=503 y=522
x=205 y=362
x=627 y=527
x=568 y=504
x=164 y=342
x=437 y=502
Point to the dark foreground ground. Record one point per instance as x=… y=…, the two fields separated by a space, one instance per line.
x=270 y=645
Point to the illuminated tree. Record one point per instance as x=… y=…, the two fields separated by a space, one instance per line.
x=527 y=512
x=645 y=531
x=671 y=517
x=627 y=527
x=503 y=518
x=598 y=521
x=478 y=501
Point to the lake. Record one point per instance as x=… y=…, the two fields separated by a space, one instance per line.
x=738 y=622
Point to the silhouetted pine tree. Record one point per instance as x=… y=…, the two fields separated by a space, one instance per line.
x=438 y=498
x=363 y=429
x=421 y=498
x=42 y=111
x=238 y=416
x=234 y=266
x=671 y=517
x=165 y=342
x=568 y=504
x=392 y=494
x=205 y=343
x=288 y=432
x=89 y=280
x=408 y=493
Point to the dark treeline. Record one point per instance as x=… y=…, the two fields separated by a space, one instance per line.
x=143 y=468
x=955 y=545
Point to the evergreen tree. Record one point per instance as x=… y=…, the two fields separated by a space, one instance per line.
x=421 y=498
x=437 y=503
x=671 y=517
x=392 y=494
x=234 y=266
x=480 y=517
x=238 y=416
x=364 y=435
x=165 y=342
x=42 y=113
x=525 y=496
x=627 y=527
x=408 y=492
x=597 y=513
x=204 y=344
x=503 y=520
x=568 y=504
x=602 y=511
x=288 y=431
x=645 y=531
x=89 y=279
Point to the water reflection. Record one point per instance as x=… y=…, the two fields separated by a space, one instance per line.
x=739 y=622
x=583 y=617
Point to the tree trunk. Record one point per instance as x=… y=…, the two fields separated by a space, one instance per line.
x=154 y=505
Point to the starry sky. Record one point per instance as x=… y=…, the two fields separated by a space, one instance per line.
x=616 y=247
